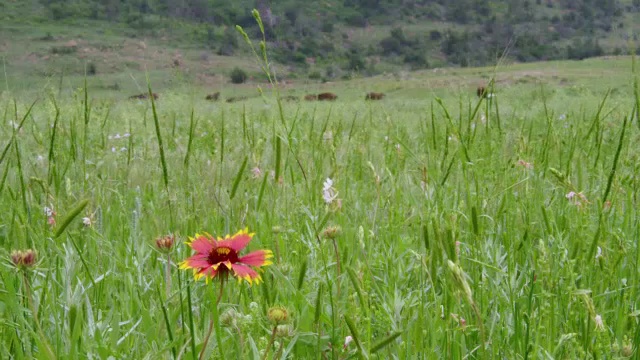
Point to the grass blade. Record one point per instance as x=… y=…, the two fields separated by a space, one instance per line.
x=23 y=188
x=75 y=211
x=166 y=322
x=236 y=182
x=356 y=286
x=615 y=162
x=384 y=342
x=16 y=131
x=163 y=161
x=192 y=129
x=278 y=156
x=302 y=274
x=52 y=142
x=356 y=338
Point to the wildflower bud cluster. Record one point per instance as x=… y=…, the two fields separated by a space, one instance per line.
x=23 y=259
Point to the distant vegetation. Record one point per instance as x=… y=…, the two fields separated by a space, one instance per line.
x=334 y=38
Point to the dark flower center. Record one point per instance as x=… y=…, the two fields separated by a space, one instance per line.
x=222 y=254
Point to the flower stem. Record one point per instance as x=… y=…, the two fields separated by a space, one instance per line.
x=335 y=249
x=211 y=323
x=241 y=339
x=279 y=350
x=273 y=338
x=277 y=248
x=168 y=275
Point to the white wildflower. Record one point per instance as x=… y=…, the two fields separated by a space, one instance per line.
x=48 y=212
x=347 y=341
x=599 y=322
x=328 y=136
x=253 y=306
x=329 y=193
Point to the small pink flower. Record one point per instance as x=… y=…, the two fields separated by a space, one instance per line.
x=256 y=172
x=51 y=216
x=577 y=199
x=524 y=164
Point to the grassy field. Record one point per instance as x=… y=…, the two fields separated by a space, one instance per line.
x=454 y=228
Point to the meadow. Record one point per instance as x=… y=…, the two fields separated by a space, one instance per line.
x=451 y=227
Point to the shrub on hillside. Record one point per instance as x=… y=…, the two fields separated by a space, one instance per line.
x=238 y=76
x=315 y=75
x=92 y=69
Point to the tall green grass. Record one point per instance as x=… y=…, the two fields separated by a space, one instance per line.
x=457 y=237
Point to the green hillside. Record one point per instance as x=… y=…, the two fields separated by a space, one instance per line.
x=324 y=40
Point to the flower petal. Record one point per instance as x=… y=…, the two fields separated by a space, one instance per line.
x=197 y=263
x=208 y=273
x=237 y=242
x=202 y=244
x=257 y=258
x=246 y=273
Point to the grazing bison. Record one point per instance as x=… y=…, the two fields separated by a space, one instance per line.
x=327 y=96
x=311 y=97
x=290 y=98
x=143 y=96
x=374 y=96
x=214 y=96
x=483 y=92
x=236 y=98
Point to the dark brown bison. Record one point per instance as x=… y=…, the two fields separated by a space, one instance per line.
x=290 y=98
x=236 y=98
x=327 y=96
x=143 y=96
x=311 y=97
x=374 y=96
x=482 y=92
x=214 y=96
